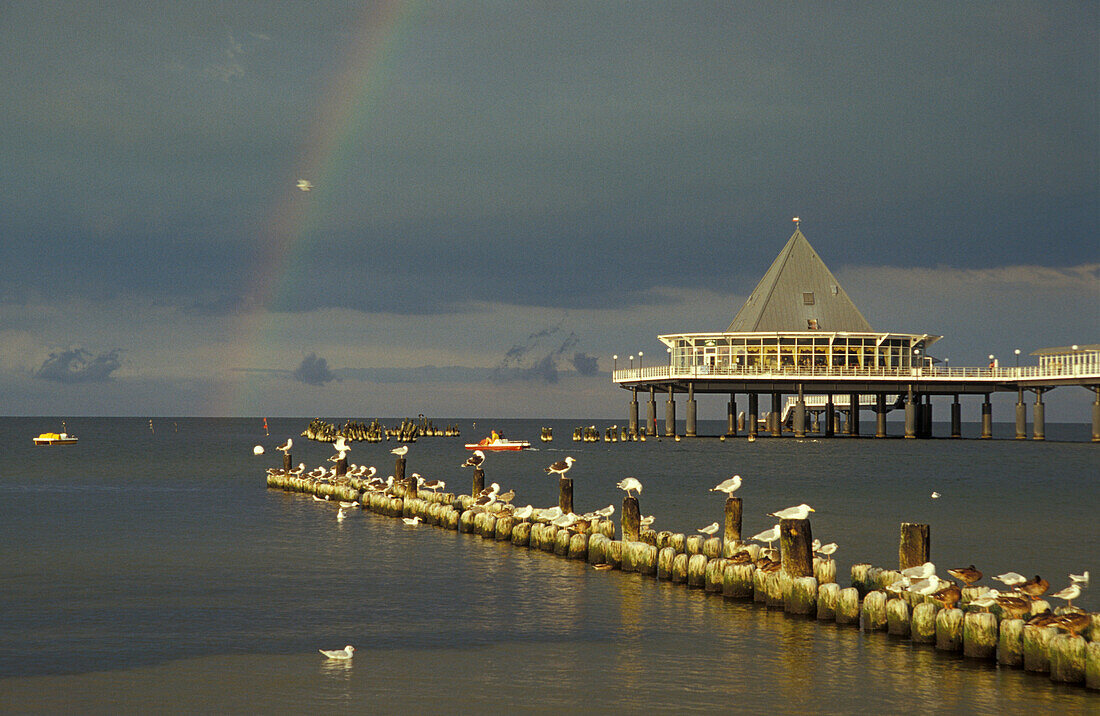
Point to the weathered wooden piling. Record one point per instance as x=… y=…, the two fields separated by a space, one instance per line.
x=678 y=542
x=1067 y=658
x=824 y=570
x=979 y=635
x=737 y=580
x=802 y=597
x=399 y=471
x=693 y=545
x=613 y=553
x=578 y=546
x=759 y=591
x=1092 y=665
x=922 y=626
x=712 y=581
x=913 y=545
x=859 y=574
x=872 y=616
x=679 y=568
x=1010 y=643
x=565 y=494
x=949 y=629
x=775 y=587
x=479 y=481
x=827 y=596
x=504 y=526
x=732 y=530
x=664 y=562
x=847 y=606
x=897 y=617
x=632 y=518
x=712 y=547
x=597 y=547
x=795 y=547
x=696 y=570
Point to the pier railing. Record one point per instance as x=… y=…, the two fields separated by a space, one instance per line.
x=626 y=375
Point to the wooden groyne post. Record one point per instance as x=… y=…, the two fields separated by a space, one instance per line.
x=913 y=545
x=565 y=494
x=479 y=482
x=632 y=518
x=732 y=532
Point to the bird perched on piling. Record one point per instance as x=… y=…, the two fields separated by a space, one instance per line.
x=709 y=530
x=1011 y=579
x=645 y=520
x=1034 y=588
x=1014 y=607
x=434 y=485
x=947 y=597
x=826 y=550
x=606 y=511
x=1069 y=593
x=285 y=447
x=523 y=512
x=630 y=484
x=401 y=451
x=474 y=460
x=923 y=571
x=1074 y=623
x=798 y=512
x=768 y=536
x=341 y=444
x=728 y=486
x=506 y=497
x=560 y=467
x=345 y=653
x=967 y=575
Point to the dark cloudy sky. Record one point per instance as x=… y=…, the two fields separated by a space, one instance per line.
x=509 y=193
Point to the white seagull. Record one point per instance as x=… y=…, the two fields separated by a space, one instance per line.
x=645 y=520
x=709 y=529
x=1011 y=579
x=1082 y=579
x=524 y=512
x=606 y=512
x=345 y=653
x=340 y=515
x=826 y=549
x=728 y=486
x=341 y=444
x=411 y=521
x=305 y=184
x=629 y=485
x=768 y=536
x=560 y=467
x=923 y=571
x=474 y=460
x=286 y=446
x=400 y=451
x=798 y=512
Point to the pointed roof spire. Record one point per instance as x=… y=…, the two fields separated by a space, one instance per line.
x=798 y=293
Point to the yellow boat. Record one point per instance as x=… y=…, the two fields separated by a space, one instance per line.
x=55 y=439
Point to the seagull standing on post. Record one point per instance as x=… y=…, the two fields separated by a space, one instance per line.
x=728 y=486
x=560 y=467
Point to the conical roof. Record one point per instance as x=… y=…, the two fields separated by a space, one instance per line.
x=799 y=293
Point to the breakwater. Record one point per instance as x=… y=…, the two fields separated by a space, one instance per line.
x=1063 y=643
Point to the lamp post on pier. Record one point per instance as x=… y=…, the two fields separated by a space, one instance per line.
x=615 y=362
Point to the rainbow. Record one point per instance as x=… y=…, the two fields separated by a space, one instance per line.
x=345 y=113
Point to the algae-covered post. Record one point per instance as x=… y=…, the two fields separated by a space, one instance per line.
x=913 y=546
x=632 y=518
x=795 y=541
x=732 y=532
x=479 y=481
x=565 y=494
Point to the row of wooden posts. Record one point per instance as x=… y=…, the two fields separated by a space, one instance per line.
x=799 y=583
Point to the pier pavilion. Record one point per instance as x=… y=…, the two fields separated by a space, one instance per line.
x=799 y=335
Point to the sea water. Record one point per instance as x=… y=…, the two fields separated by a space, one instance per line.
x=148 y=568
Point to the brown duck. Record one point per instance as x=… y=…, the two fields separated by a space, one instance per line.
x=1073 y=623
x=967 y=575
x=1014 y=607
x=1034 y=588
x=947 y=597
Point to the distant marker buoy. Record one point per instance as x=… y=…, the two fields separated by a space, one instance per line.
x=258 y=450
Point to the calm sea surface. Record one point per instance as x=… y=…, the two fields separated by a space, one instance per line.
x=151 y=570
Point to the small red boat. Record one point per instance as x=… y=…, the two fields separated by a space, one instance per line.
x=497 y=442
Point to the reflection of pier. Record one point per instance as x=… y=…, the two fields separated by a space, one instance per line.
x=799 y=335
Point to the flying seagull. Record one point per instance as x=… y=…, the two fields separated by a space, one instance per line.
x=305 y=184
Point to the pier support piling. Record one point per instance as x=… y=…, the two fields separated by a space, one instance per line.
x=632 y=418
x=987 y=418
x=910 y=414
x=1021 y=415
x=651 y=413
x=956 y=418
x=1096 y=416
x=753 y=418
x=830 y=417
x=731 y=416
x=776 y=417
x=800 y=415
x=1039 y=421
x=880 y=415
x=689 y=427
x=853 y=413
x=670 y=413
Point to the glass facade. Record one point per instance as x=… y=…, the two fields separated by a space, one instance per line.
x=730 y=352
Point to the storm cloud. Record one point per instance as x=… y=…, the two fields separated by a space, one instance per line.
x=78 y=365
x=313 y=370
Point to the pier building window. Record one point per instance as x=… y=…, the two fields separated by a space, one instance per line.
x=808 y=298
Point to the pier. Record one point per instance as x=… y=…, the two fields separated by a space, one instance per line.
x=800 y=338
